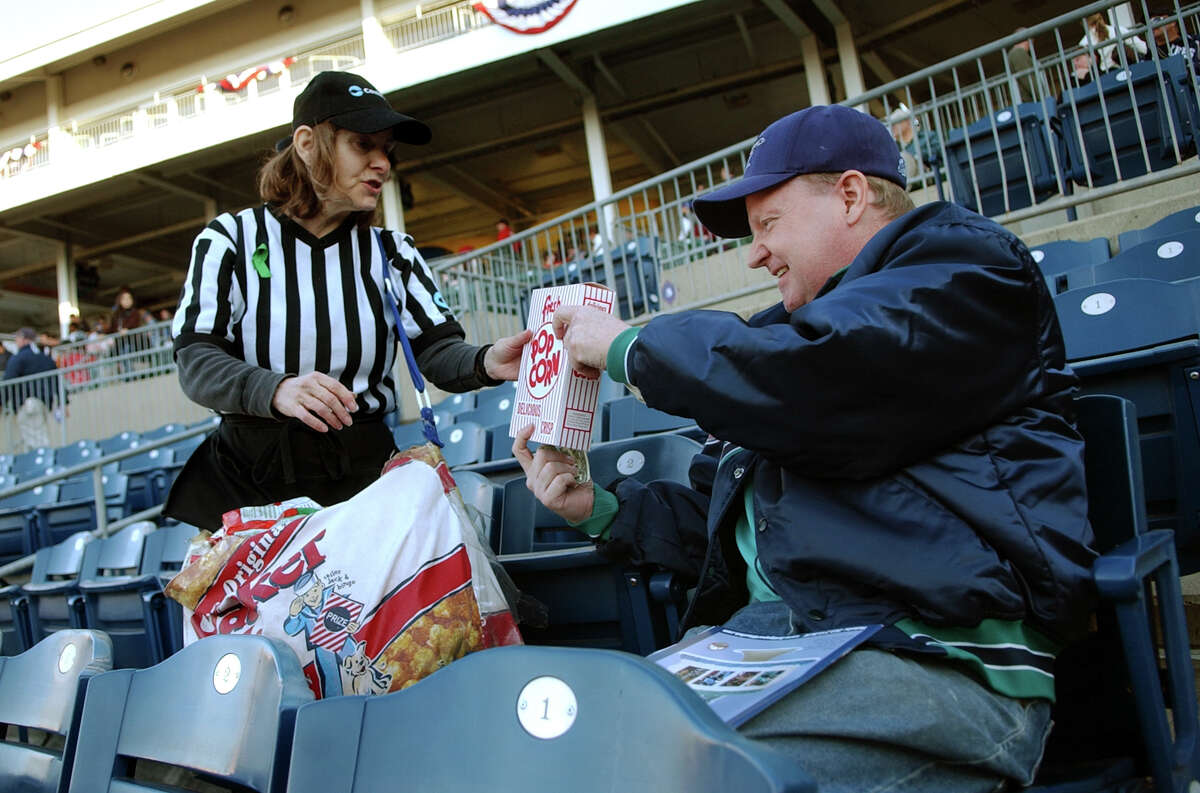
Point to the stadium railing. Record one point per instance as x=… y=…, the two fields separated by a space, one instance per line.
x=644 y=242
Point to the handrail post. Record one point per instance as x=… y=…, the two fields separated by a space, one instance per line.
x=101 y=503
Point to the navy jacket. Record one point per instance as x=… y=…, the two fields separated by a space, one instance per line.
x=29 y=361
x=906 y=433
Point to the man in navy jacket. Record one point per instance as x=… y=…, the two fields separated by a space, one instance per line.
x=31 y=399
x=894 y=448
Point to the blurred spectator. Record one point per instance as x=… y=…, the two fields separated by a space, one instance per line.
x=164 y=315
x=1101 y=37
x=503 y=230
x=75 y=332
x=125 y=313
x=33 y=399
x=1169 y=41
x=1020 y=64
x=1081 y=65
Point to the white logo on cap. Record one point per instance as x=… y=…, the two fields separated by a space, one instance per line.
x=358 y=90
x=903 y=169
x=757 y=143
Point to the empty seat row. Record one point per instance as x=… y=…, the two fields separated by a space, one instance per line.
x=1129 y=122
x=113 y=583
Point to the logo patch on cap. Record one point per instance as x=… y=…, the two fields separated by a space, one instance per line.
x=358 y=90
x=757 y=143
x=903 y=169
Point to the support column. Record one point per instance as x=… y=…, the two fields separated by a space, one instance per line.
x=376 y=47
x=852 y=75
x=393 y=209
x=68 y=294
x=593 y=132
x=814 y=71
x=61 y=144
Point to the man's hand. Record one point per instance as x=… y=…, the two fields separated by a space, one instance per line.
x=587 y=333
x=502 y=361
x=550 y=475
x=316 y=399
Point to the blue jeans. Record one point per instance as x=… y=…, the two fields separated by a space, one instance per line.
x=877 y=721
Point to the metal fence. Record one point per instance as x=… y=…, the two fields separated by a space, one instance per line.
x=965 y=137
x=426 y=27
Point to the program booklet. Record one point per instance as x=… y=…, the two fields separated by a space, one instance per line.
x=740 y=674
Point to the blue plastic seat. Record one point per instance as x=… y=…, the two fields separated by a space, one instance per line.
x=47 y=599
x=465 y=443
x=991 y=155
x=114 y=595
x=43 y=689
x=594 y=602
x=76 y=453
x=1140 y=339
x=628 y=725
x=163 y=554
x=456 y=403
x=14 y=621
x=162 y=432
x=1060 y=256
x=119 y=442
x=148 y=478
x=486 y=396
x=1119 y=104
x=19 y=535
x=32 y=463
x=75 y=509
x=223 y=707
x=488 y=414
x=629 y=417
x=1175 y=223
x=1175 y=257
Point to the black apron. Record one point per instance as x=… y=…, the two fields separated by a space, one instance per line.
x=250 y=461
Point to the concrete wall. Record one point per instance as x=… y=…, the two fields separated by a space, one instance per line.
x=137 y=405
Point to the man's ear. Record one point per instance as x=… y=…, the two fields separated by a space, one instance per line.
x=855 y=194
x=305 y=143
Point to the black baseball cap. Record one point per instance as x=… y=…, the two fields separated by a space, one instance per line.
x=818 y=139
x=352 y=103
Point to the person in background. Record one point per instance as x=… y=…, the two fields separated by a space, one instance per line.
x=33 y=399
x=291 y=337
x=1020 y=65
x=1101 y=37
x=1169 y=41
x=126 y=315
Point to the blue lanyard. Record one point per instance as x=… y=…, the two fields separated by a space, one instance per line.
x=428 y=428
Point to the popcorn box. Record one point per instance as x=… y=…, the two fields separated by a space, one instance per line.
x=558 y=400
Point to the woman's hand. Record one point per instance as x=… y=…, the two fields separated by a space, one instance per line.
x=502 y=361
x=550 y=475
x=316 y=399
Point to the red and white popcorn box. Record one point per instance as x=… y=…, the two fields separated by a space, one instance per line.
x=559 y=401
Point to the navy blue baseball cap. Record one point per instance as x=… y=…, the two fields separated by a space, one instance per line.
x=818 y=139
x=352 y=103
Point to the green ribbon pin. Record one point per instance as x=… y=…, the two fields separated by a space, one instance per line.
x=259 y=260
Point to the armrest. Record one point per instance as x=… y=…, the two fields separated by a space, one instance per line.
x=562 y=559
x=1121 y=573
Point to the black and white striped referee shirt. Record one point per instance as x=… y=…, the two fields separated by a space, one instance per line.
x=309 y=304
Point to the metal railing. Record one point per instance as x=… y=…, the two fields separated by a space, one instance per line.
x=277 y=72
x=103 y=527
x=644 y=240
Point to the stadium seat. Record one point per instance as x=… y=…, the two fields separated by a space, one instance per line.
x=163 y=555
x=629 y=417
x=43 y=689
x=487 y=396
x=619 y=723
x=1121 y=103
x=32 y=463
x=1111 y=722
x=148 y=478
x=465 y=442
x=118 y=443
x=592 y=601
x=75 y=509
x=46 y=597
x=1171 y=258
x=1184 y=220
x=162 y=432
x=115 y=595
x=456 y=403
x=76 y=453
x=19 y=532
x=482 y=498
x=1060 y=256
x=14 y=621
x=1140 y=339
x=490 y=413
x=223 y=708
x=992 y=153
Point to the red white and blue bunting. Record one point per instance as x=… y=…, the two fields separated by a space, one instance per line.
x=525 y=16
